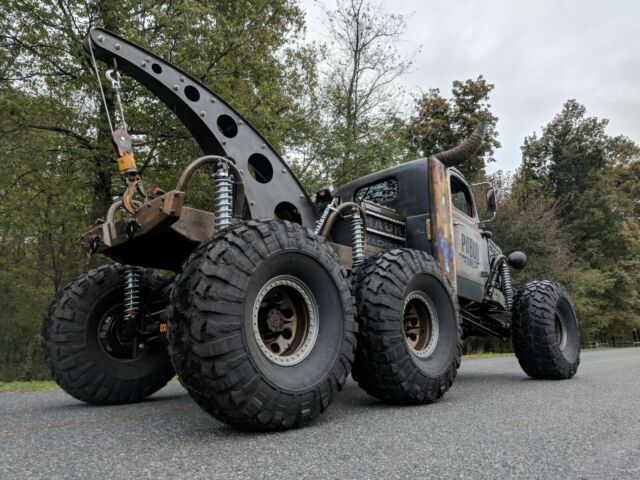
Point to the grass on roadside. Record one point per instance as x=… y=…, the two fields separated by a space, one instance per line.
x=32 y=386
x=486 y=355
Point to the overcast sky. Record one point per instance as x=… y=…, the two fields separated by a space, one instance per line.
x=538 y=53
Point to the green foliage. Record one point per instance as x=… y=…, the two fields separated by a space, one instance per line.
x=441 y=124
x=589 y=185
x=58 y=163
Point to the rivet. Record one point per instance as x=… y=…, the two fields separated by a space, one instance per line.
x=181 y=78
x=284 y=170
x=117 y=46
x=175 y=87
x=239 y=122
x=224 y=142
x=147 y=59
x=101 y=38
x=263 y=146
x=143 y=64
x=176 y=194
x=212 y=100
x=202 y=113
x=252 y=203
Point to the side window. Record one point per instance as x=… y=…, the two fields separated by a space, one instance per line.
x=461 y=197
x=379 y=192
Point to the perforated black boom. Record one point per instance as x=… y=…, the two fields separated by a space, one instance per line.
x=272 y=190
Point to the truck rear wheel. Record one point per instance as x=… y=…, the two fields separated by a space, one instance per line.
x=90 y=351
x=262 y=329
x=409 y=341
x=545 y=331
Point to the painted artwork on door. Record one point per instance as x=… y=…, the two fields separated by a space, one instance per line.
x=442 y=222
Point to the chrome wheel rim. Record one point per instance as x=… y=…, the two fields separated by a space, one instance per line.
x=285 y=320
x=420 y=321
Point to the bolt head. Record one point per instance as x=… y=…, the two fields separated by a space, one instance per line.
x=202 y=113
x=117 y=46
x=101 y=38
x=175 y=87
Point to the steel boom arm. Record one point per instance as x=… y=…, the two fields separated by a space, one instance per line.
x=217 y=127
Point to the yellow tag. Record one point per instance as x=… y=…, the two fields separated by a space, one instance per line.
x=163 y=328
x=126 y=162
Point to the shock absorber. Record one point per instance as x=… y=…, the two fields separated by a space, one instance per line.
x=223 y=196
x=131 y=292
x=323 y=217
x=507 y=289
x=357 y=230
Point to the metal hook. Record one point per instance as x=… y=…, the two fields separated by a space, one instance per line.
x=114 y=78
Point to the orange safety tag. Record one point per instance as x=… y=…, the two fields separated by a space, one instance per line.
x=126 y=162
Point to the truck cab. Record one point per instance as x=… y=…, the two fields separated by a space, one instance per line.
x=407 y=193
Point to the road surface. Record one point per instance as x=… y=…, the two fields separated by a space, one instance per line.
x=494 y=423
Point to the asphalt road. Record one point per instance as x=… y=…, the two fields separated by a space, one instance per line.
x=493 y=423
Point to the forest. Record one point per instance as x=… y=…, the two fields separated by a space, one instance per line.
x=333 y=109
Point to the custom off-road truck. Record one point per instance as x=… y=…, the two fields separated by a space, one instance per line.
x=277 y=295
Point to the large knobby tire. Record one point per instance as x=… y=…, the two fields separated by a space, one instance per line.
x=240 y=293
x=77 y=356
x=410 y=335
x=545 y=331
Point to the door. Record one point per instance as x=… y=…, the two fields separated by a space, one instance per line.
x=472 y=261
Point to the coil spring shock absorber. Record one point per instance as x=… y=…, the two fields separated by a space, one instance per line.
x=357 y=230
x=323 y=217
x=223 y=196
x=507 y=289
x=131 y=292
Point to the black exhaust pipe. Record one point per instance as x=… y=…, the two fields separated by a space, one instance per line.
x=457 y=155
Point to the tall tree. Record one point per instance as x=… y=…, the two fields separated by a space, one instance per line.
x=361 y=103
x=442 y=123
x=589 y=175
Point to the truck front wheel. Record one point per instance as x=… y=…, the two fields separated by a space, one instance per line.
x=545 y=331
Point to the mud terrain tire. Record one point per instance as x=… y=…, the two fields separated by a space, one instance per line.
x=74 y=355
x=394 y=361
x=545 y=331
x=215 y=332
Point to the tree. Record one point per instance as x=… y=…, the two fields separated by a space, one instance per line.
x=58 y=163
x=440 y=123
x=592 y=178
x=248 y=58
x=361 y=120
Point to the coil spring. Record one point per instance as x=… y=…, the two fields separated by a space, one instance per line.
x=223 y=196
x=358 y=238
x=323 y=217
x=131 y=292
x=507 y=288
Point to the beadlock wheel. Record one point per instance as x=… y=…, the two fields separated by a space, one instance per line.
x=285 y=320
x=420 y=324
